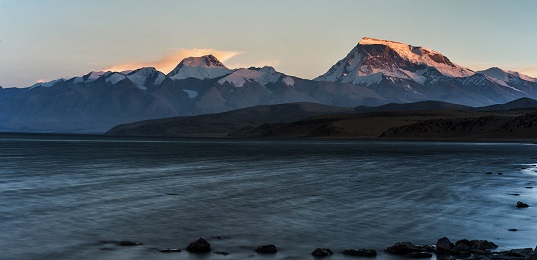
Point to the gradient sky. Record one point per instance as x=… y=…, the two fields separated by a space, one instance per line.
x=42 y=40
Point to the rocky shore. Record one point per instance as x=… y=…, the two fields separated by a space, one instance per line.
x=444 y=249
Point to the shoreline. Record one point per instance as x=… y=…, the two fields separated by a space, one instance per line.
x=443 y=249
x=225 y=136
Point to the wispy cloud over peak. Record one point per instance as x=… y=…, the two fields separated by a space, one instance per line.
x=168 y=62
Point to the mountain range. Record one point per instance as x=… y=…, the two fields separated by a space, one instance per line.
x=375 y=72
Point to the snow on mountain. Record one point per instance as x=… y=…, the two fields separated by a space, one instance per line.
x=92 y=76
x=262 y=76
x=191 y=93
x=140 y=76
x=205 y=67
x=422 y=56
x=289 y=81
x=47 y=84
x=506 y=76
x=115 y=77
x=392 y=59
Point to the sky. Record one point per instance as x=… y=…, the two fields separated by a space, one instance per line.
x=42 y=40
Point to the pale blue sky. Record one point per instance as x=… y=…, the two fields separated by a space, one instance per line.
x=48 y=39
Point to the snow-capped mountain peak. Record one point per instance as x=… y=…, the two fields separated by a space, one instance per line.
x=376 y=58
x=207 y=61
x=140 y=77
x=92 y=76
x=262 y=76
x=506 y=76
x=204 y=67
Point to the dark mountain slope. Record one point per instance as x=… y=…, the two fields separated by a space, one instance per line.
x=223 y=123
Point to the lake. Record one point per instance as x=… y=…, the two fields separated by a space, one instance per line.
x=61 y=196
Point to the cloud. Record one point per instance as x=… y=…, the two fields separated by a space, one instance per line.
x=271 y=62
x=168 y=63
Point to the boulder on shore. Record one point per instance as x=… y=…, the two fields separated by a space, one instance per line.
x=199 y=246
x=419 y=255
x=319 y=252
x=532 y=255
x=483 y=245
x=360 y=252
x=402 y=248
x=461 y=248
x=521 y=252
x=266 y=249
x=444 y=245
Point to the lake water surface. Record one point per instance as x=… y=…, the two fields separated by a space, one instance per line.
x=61 y=196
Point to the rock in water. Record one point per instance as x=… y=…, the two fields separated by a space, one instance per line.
x=402 y=248
x=199 y=246
x=170 y=250
x=267 y=249
x=532 y=255
x=360 y=252
x=521 y=252
x=419 y=255
x=129 y=243
x=322 y=252
x=521 y=204
x=443 y=245
x=464 y=241
x=461 y=248
x=483 y=245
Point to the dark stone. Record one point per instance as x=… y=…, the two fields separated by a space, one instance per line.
x=515 y=194
x=319 y=252
x=532 y=255
x=500 y=173
x=444 y=245
x=402 y=248
x=480 y=252
x=170 y=250
x=483 y=245
x=488 y=172
x=266 y=249
x=360 y=252
x=464 y=241
x=428 y=248
x=521 y=252
x=199 y=246
x=529 y=187
x=512 y=229
x=222 y=253
x=419 y=255
x=461 y=248
x=521 y=204
x=129 y=243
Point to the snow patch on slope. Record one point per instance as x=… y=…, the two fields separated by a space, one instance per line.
x=289 y=81
x=420 y=55
x=191 y=93
x=262 y=76
x=94 y=75
x=115 y=78
x=47 y=84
